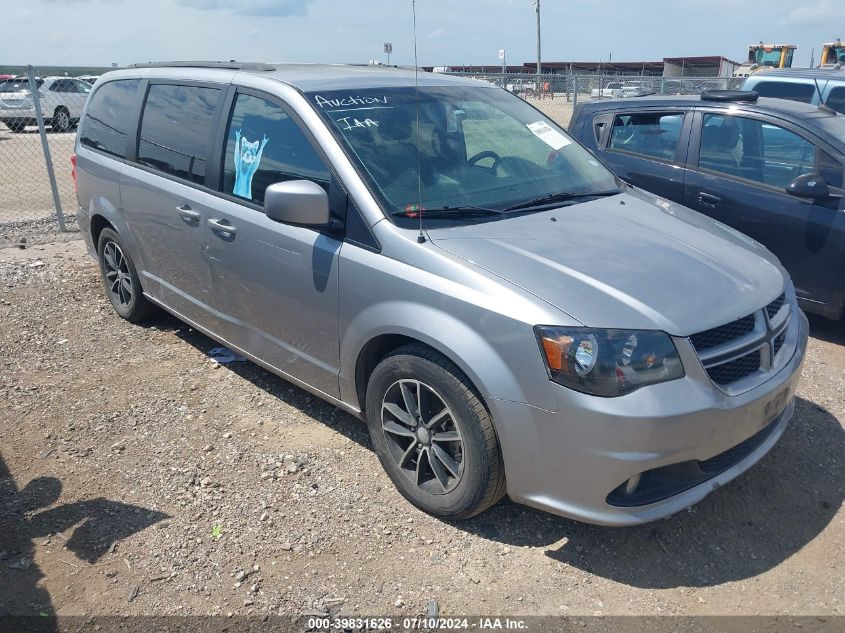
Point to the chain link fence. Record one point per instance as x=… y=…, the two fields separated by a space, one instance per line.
x=39 y=204
x=37 y=198
x=556 y=95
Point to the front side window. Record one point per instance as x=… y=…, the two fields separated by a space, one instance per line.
x=762 y=152
x=786 y=90
x=81 y=86
x=458 y=150
x=176 y=128
x=106 y=123
x=653 y=134
x=266 y=145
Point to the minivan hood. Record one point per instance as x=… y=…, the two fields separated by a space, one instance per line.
x=632 y=261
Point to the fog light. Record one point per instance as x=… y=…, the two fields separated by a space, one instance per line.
x=631 y=484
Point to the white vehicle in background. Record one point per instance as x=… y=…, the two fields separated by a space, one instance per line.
x=612 y=90
x=92 y=79
x=62 y=101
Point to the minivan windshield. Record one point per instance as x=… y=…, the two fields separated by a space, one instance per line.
x=460 y=151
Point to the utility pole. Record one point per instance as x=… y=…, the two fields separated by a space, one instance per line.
x=537 y=7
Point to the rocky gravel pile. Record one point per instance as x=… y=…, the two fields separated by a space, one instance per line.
x=145 y=478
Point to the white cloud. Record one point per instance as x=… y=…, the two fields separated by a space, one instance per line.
x=819 y=13
x=267 y=8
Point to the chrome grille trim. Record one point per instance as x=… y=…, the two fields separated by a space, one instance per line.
x=743 y=361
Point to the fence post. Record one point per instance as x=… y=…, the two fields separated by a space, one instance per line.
x=574 y=91
x=36 y=100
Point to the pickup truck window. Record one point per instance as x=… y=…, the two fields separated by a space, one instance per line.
x=652 y=134
x=786 y=90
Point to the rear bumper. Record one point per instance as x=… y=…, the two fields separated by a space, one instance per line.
x=576 y=461
x=83 y=220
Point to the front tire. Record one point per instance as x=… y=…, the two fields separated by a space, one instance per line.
x=120 y=279
x=433 y=435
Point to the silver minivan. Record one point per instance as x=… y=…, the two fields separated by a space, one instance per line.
x=438 y=257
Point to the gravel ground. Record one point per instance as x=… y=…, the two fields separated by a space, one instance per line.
x=138 y=477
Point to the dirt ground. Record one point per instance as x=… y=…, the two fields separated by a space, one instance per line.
x=138 y=477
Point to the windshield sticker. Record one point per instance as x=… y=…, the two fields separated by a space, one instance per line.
x=548 y=135
x=351 y=100
x=247 y=158
x=350 y=123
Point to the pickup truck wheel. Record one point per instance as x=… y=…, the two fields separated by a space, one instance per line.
x=433 y=435
x=123 y=288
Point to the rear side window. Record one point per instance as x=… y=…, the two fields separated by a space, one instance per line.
x=176 y=128
x=265 y=145
x=652 y=134
x=107 y=119
x=786 y=90
x=836 y=99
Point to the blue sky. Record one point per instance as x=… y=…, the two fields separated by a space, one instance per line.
x=99 y=32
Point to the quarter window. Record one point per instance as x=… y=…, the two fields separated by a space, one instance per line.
x=106 y=122
x=786 y=90
x=836 y=99
x=265 y=145
x=762 y=152
x=176 y=129
x=651 y=134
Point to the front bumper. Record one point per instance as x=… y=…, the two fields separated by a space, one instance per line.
x=569 y=461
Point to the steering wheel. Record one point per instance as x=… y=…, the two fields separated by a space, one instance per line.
x=486 y=154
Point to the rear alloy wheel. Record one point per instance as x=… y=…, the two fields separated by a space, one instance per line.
x=123 y=288
x=433 y=435
x=61 y=120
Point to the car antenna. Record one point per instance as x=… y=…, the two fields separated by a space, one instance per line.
x=421 y=236
x=822 y=105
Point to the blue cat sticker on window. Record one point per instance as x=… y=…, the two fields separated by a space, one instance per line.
x=247 y=158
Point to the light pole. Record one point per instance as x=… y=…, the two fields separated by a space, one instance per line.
x=536 y=4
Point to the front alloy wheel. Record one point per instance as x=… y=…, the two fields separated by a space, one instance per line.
x=433 y=434
x=421 y=436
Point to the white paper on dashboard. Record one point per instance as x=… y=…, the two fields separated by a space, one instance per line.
x=548 y=135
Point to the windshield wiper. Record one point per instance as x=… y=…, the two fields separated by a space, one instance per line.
x=464 y=211
x=554 y=198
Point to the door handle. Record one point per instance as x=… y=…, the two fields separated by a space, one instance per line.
x=708 y=199
x=222 y=228
x=189 y=215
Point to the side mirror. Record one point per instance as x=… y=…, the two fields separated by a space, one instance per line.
x=297 y=202
x=812 y=186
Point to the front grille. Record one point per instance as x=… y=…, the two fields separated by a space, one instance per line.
x=734 y=370
x=774 y=307
x=779 y=342
x=723 y=334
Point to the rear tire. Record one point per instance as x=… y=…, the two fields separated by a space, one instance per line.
x=443 y=456
x=120 y=279
x=61 y=120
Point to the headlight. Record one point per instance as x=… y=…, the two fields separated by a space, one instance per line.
x=608 y=362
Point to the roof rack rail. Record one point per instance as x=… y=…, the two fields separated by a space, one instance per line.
x=230 y=65
x=729 y=95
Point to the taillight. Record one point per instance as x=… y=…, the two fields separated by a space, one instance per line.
x=73 y=171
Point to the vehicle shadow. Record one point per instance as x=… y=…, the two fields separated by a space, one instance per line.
x=26 y=515
x=749 y=526
x=827 y=330
x=739 y=531
x=273 y=385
